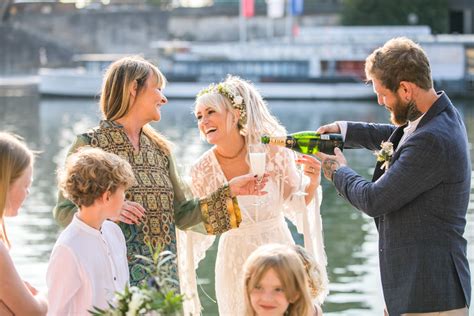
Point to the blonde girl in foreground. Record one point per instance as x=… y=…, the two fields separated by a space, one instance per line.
x=275 y=283
x=17 y=297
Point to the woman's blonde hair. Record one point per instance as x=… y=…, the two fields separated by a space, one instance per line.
x=257 y=119
x=115 y=96
x=90 y=172
x=15 y=157
x=289 y=268
x=317 y=280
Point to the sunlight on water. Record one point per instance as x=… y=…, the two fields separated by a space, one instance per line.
x=50 y=126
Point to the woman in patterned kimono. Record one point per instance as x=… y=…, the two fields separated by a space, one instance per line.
x=232 y=115
x=131 y=98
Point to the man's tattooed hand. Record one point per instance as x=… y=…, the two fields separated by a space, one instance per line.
x=330 y=165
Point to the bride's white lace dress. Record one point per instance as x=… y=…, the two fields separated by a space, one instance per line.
x=261 y=224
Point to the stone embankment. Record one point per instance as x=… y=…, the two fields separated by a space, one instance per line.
x=35 y=34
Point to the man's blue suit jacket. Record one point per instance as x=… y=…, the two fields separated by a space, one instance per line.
x=419 y=205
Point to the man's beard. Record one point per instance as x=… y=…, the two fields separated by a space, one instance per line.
x=403 y=112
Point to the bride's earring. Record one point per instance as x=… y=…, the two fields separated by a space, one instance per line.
x=235 y=122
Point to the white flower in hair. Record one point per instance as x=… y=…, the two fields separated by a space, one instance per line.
x=238 y=100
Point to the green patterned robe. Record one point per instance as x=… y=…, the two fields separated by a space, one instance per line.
x=160 y=191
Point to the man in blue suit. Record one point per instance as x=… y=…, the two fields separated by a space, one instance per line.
x=419 y=197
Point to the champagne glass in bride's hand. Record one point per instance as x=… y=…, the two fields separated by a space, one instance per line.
x=257 y=156
x=300 y=191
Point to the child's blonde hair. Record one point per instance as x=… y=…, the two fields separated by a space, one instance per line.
x=15 y=158
x=90 y=172
x=289 y=268
x=317 y=282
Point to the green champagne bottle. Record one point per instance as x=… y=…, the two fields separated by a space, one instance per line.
x=307 y=142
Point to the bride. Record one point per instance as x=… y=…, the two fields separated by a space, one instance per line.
x=231 y=116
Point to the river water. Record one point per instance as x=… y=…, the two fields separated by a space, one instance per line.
x=50 y=125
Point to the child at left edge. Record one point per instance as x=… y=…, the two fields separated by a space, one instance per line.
x=88 y=263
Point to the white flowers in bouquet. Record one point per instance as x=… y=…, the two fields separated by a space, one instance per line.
x=136 y=301
x=158 y=295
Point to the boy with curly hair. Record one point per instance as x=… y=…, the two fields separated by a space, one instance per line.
x=89 y=260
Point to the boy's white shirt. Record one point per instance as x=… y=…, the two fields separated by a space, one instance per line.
x=87 y=266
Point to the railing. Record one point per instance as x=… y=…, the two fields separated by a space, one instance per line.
x=249 y=69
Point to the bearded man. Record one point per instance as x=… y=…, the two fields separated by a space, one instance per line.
x=419 y=197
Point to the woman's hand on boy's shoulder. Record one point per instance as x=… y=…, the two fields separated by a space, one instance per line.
x=132 y=213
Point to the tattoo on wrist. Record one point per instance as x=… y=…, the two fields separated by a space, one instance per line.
x=329 y=167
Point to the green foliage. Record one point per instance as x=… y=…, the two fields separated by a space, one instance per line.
x=156 y=296
x=433 y=13
x=163 y=4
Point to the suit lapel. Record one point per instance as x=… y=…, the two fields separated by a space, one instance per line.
x=395 y=139
x=378 y=172
x=440 y=105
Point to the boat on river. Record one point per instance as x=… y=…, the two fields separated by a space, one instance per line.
x=75 y=83
x=85 y=80
x=323 y=63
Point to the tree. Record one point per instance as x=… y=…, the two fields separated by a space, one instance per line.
x=4 y=6
x=433 y=13
x=163 y=4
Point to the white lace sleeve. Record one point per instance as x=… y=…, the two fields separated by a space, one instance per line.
x=307 y=218
x=192 y=246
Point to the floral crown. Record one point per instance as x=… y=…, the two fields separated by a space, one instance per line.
x=236 y=100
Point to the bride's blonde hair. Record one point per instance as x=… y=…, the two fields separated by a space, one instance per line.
x=254 y=118
x=15 y=157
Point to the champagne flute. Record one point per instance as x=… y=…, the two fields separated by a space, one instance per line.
x=300 y=191
x=257 y=156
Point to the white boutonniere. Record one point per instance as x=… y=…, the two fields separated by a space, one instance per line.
x=384 y=154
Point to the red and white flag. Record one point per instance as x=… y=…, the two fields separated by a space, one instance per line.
x=248 y=8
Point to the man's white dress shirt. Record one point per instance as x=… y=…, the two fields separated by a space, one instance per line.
x=407 y=131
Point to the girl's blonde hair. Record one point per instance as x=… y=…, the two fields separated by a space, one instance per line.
x=317 y=280
x=257 y=120
x=289 y=268
x=115 y=96
x=15 y=157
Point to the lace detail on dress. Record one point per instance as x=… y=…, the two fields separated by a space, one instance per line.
x=260 y=225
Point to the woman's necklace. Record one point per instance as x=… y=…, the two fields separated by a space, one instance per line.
x=230 y=157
